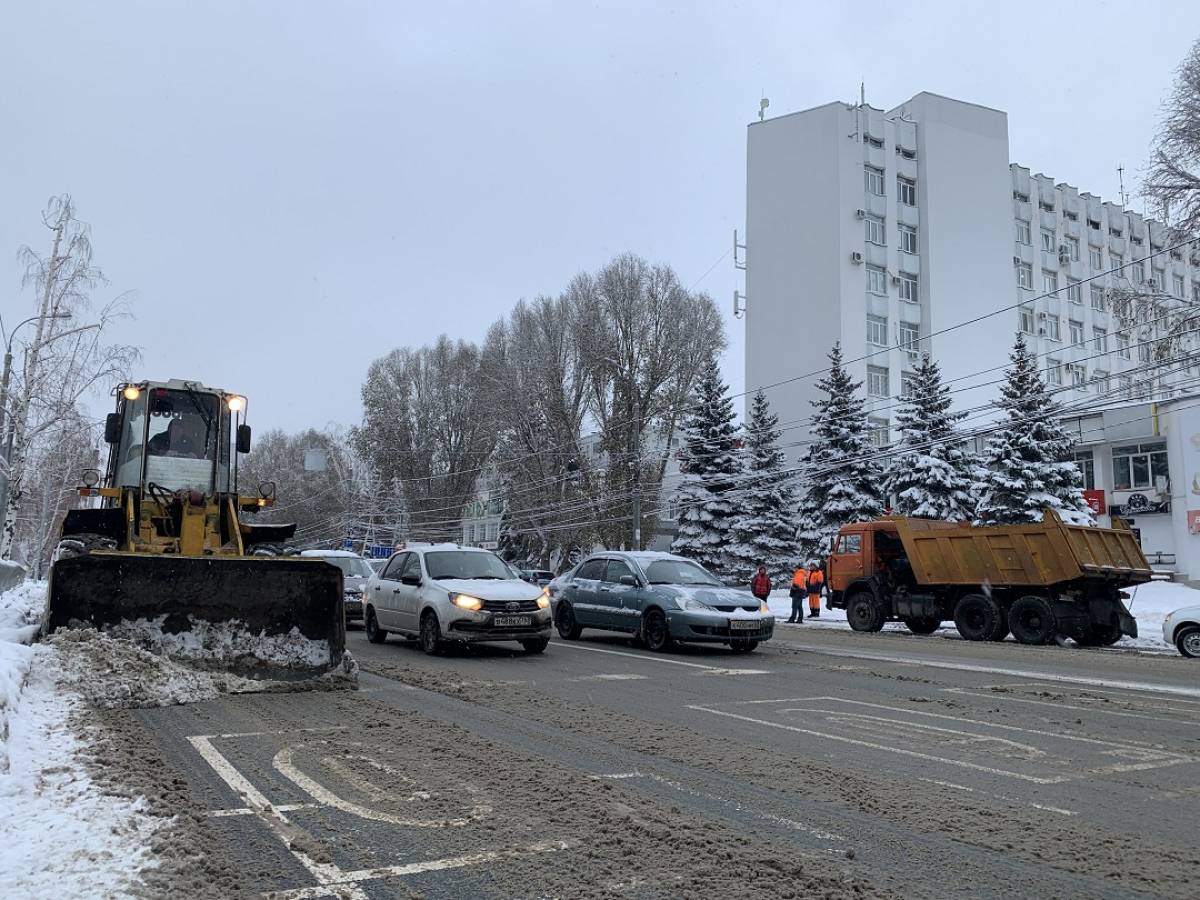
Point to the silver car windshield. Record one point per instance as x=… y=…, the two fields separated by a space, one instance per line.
x=443 y=564
x=350 y=565
x=678 y=571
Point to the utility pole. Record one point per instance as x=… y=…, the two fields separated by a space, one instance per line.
x=637 y=474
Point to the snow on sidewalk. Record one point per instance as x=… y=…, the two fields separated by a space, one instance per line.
x=60 y=835
x=1149 y=603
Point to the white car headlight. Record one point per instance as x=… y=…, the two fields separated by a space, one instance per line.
x=544 y=600
x=466 y=601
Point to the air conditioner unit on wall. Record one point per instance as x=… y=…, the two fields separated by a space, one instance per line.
x=1016 y=260
x=860 y=214
x=895 y=279
x=856 y=257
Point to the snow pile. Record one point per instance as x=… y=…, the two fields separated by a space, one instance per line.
x=20 y=616
x=60 y=836
x=21 y=610
x=226 y=644
x=11 y=574
x=1149 y=603
x=113 y=672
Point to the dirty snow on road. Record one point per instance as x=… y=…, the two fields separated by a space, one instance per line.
x=1149 y=603
x=60 y=835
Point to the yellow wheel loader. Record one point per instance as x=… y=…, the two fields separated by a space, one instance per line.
x=166 y=556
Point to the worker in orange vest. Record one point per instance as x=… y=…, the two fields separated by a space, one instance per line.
x=814 y=582
x=799 y=589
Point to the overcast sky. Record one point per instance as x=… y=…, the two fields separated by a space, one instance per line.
x=293 y=189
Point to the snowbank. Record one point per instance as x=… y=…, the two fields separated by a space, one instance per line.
x=1149 y=603
x=11 y=574
x=226 y=644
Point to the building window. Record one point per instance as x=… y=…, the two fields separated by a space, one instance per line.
x=1135 y=240
x=1117 y=261
x=1076 y=330
x=908 y=384
x=877 y=381
x=875 y=231
x=1074 y=292
x=1053 y=328
x=1177 y=286
x=1196 y=291
x=1102 y=382
x=906 y=154
x=1094 y=224
x=878 y=431
x=1087 y=468
x=1123 y=344
x=1078 y=376
x=1139 y=272
x=1143 y=352
x=908 y=288
x=1025 y=276
x=1017 y=195
x=1046 y=205
x=1156 y=279
x=874 y=180
x=1073 y=248
x=1115 y=232
x=1054 y=375
x=877 y=331
x=1139 y=466
x=1100 y=340
x=872 y=141
x=1023 y=233
x=908 y=239
x=1098 y=303
x=1094 y=259
x=907 y=189
x=1048 y=242
x=1049 y=281
x=1026 y=319
x=876 y=280
x=1070 y=216
x=909 y=335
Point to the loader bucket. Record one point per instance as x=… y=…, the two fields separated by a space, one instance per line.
x=257 y=616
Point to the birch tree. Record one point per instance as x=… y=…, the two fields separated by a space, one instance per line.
x=1174 y=176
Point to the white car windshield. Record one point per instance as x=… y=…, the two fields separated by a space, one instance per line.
x=678 y=571
x=350 y=565
x=443 y=564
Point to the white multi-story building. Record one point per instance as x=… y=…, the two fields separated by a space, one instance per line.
x=905 y=231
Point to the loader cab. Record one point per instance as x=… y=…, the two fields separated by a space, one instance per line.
x=175 y=436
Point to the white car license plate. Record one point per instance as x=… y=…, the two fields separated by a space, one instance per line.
x=511 y=621
x=743 y=624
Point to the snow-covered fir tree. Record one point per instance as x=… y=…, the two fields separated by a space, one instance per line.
x=931 y=474
x=710 y=471
x=1027 y=462
x=764 y=529
x=842 y=480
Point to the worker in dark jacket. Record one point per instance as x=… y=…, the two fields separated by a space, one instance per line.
x=760 y=584
x=814 y=583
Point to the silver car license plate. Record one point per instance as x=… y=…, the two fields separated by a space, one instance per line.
x=511 y=621
x=743 y=624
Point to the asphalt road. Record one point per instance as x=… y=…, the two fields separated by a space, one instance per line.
x=827 y=763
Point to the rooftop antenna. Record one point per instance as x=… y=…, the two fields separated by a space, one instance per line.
x=862 y=93
x=762 y=107
x=1121 y=182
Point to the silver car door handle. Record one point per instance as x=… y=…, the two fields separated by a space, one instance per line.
x=396 y=590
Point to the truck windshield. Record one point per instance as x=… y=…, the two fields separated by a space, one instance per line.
x=181 y=439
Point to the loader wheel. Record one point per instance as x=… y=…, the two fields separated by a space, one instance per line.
x=375 y=634
x=978 y=618
x=431 y=634
x=82 y=544
x=922 y=625
x=1032 y=620
x=863 y=613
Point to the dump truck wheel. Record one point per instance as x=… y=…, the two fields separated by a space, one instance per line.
x=1000 y=632
x=1100 y=636
x=1032 y=620
x=977 y=617
x=375 y=634
x=1187 y=641
x=863 y=612
x=431 y=633
x=922 y=625
x=564 y=621
x=80 y=544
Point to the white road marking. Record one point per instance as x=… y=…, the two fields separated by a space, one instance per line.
x=711 y=670
x=988 y=694
x=247 y=811
x=971 y=790
x=1149 y=687
x=612 y=676
x=770 y=817
x=433 y=865
x=284 y=764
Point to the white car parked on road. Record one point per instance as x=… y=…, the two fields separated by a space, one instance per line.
x=443 y=592
x=1182 y=628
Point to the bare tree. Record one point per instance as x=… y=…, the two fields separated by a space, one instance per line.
x=68 y=357
x=1173 y=180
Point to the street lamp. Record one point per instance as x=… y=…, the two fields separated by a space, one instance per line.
x=8 y=341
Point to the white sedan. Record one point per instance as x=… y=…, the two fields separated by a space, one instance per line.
x=1182 y=628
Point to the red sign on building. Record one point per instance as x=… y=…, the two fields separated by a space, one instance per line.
x=1095 y=502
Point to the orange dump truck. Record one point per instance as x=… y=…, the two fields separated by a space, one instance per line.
x=1037 y=580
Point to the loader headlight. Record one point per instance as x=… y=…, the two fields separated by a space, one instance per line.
x=91 y=477
x=235 y=403
x=466 y=601
x=131 y=392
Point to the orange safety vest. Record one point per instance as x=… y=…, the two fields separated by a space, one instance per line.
x=816 y=579
x=798 y=578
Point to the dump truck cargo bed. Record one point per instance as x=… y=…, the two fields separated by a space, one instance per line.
x=249 y=614
x=1038 y=554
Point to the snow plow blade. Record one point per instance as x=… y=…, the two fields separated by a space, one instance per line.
x=252 y=615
